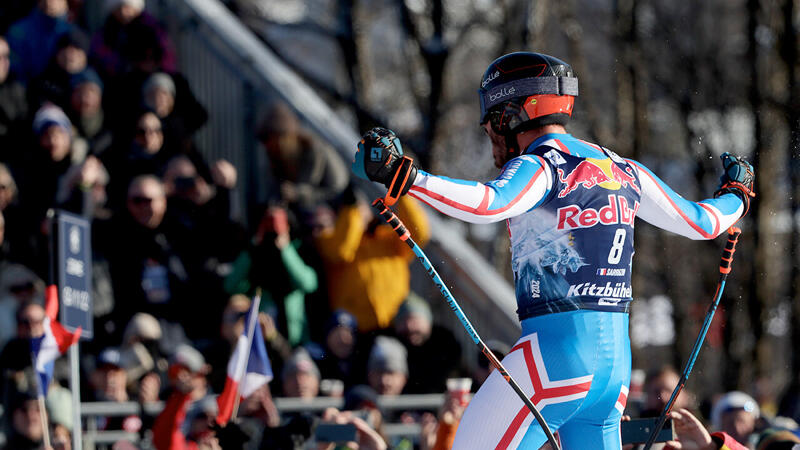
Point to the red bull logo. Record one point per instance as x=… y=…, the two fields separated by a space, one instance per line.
x=593 y=172
x=616 y=211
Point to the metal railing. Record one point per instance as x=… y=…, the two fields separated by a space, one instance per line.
x=92 y=411
x=234 y=74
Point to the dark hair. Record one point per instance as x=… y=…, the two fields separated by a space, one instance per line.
x=142 y=44
x=75 y=38
x=23 y=307
x=17 y=399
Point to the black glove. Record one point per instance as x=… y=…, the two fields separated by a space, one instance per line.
x=380 y=158
x=737 y=179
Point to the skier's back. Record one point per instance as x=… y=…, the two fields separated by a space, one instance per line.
x=570 y=207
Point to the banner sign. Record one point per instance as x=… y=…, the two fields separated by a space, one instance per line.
x=74 y=272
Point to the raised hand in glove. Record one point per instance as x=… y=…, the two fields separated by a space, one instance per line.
x=380 y=158
x=738 y=179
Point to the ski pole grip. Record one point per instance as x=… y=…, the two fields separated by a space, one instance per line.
x=391 y=218
x=730 y=248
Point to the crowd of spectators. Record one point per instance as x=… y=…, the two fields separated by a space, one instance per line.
x=101 y=122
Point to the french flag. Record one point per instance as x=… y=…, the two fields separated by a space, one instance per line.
x=248 y=368
x=54 y=342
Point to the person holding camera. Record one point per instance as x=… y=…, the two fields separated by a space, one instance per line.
x=350 y=428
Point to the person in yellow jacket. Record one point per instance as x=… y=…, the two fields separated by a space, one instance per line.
x=367 y=266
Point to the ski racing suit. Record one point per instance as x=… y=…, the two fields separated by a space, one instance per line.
x=570 y=207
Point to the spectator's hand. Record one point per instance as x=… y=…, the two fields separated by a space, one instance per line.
x=149 y=386
x=452 y=410
x=268 y=329
x=184 y=381
x=208 y=442
x=368 y=439
x=274 y=221
x=224 y=174
x=427 y=435
x=273 y=416
x=289 y=191
x=691 y=434
x=90 y=173
x=282 y=240
x=626 y=446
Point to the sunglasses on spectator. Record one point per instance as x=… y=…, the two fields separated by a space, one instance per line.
x=22 y=287
x=234 y=317
x=145 y=130
x=29 y=321
x=141 y=200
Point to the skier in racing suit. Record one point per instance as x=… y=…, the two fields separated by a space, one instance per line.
x=570 y=207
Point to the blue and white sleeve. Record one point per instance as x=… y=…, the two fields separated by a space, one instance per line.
x=666 y=209
x=522 y=185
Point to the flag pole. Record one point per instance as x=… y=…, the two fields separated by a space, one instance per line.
x=251 y=328
x=42 y=406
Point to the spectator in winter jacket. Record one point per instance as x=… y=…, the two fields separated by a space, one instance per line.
x=111 y=46
x=434 y=354
x=300 y=376
x=200 y=212
x=181 y=117
x=339 y=358
x=33 y=38
x=16 y=372
x=274 y=263
x=367 y=265
x=144 y=153
x=306 y=173
x=39 y=178
x=109 y=381
x=27 y=431
x=387 y=366
x=188 y=384
x=54 y=83
x=147 y=272
x=203 y=210
x=53 y=157
x=86 y=112
x=13 y=107
x=18 y=287
x=736 y=414
x=125 y=94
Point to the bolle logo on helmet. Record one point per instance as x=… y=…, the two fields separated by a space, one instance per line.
x=503 y=92
x=490 y=78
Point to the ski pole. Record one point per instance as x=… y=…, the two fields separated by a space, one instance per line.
x=404 y=234
x=724 y=270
